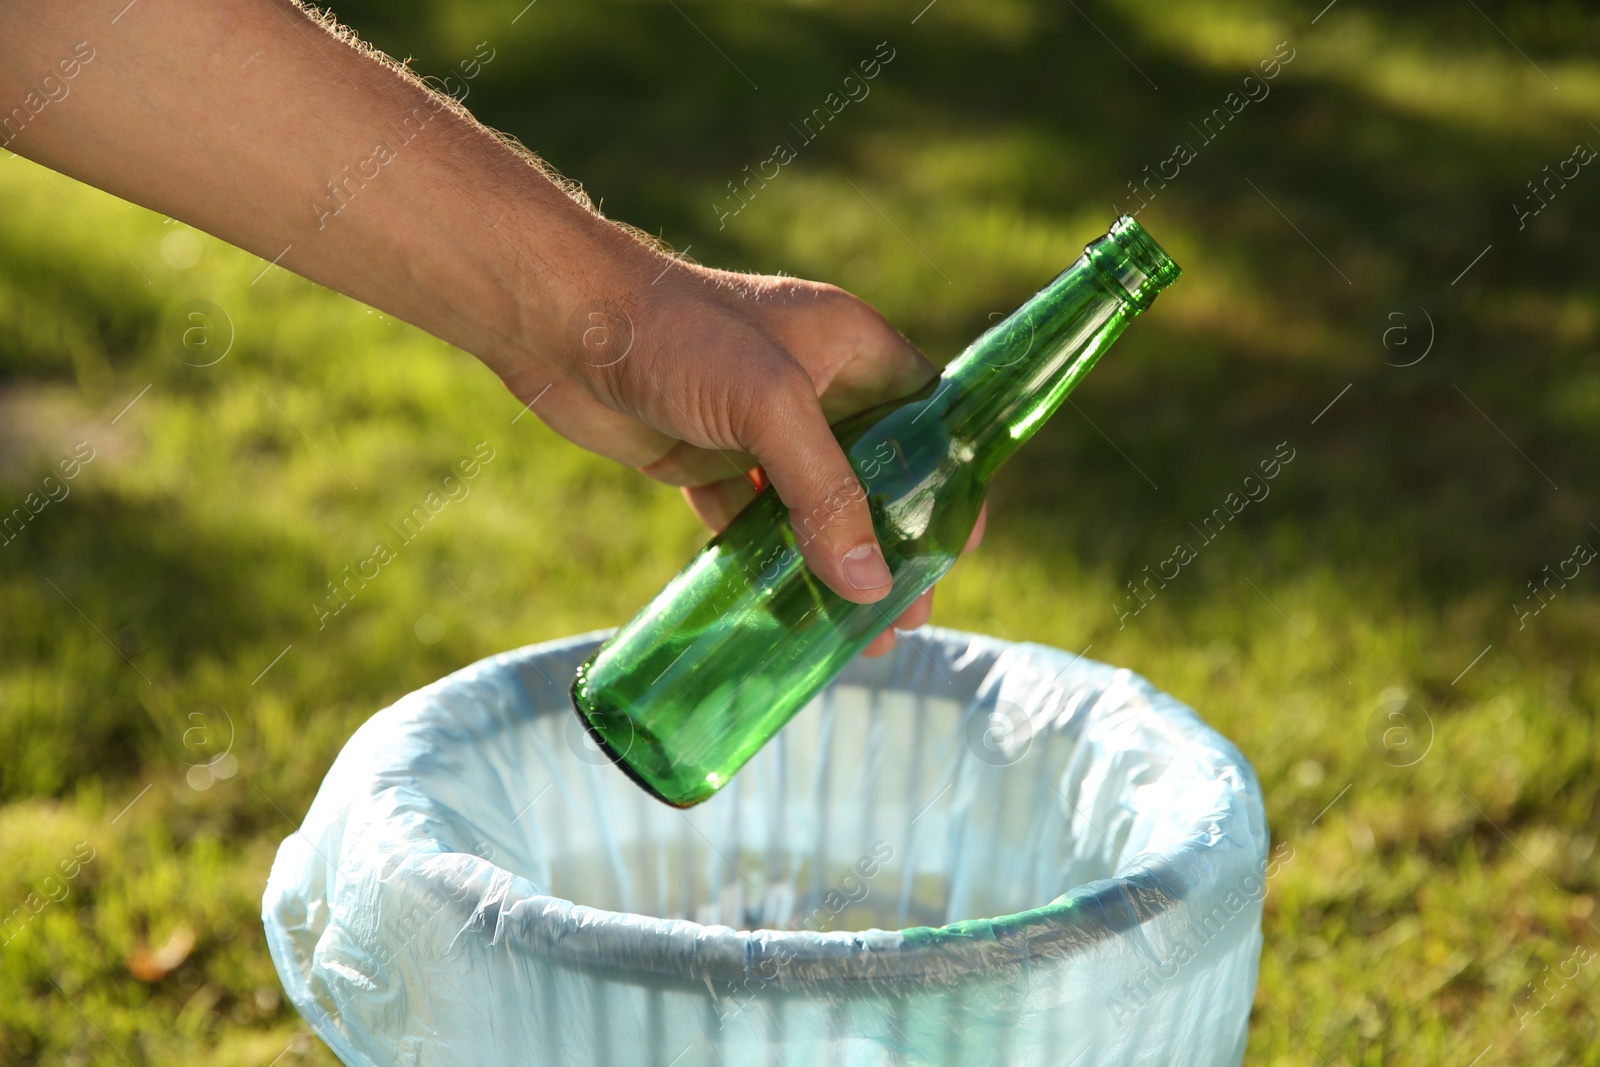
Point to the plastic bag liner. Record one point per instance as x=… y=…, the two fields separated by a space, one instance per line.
x=966 y=852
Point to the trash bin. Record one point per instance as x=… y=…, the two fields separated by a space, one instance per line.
x=968 y=852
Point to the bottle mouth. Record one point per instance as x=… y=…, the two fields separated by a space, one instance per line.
x=1130 y=255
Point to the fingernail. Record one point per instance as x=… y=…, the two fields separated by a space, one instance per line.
x=865 y=568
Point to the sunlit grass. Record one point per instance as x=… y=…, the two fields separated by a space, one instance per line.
x=1492 y=87
x=182 y=575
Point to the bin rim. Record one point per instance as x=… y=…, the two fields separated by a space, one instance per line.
x=1073 y=922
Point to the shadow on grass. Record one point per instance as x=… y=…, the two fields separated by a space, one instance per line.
x=1435 y=482
x=1437 y=476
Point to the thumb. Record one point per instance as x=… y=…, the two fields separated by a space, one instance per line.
x=788 y=433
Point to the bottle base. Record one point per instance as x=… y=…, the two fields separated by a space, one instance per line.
x=617 y=758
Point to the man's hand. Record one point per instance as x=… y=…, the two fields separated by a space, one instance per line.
x=697 y=376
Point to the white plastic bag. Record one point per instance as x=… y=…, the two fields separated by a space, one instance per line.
x=969 y=852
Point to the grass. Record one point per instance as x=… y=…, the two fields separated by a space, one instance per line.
x=162 y=613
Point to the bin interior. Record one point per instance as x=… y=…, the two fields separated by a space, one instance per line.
x=874 y=808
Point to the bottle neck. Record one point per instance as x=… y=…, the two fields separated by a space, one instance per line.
x=999 y=391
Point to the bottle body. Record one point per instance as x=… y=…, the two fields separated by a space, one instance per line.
x=690 y=688
x=744 y=635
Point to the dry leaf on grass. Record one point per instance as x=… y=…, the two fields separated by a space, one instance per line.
x=152 y=966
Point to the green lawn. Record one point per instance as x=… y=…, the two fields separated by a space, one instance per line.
x=162 y=611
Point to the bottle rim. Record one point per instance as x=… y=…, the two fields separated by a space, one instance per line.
x=1130 y=255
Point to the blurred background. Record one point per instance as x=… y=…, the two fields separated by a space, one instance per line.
x=1401 y=636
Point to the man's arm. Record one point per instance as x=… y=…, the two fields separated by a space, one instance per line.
x=283 y=135
x=247 y=119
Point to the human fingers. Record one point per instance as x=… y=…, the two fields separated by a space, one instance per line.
x=918 y=614
x=880 y=644
x=779 y=418
x=975 y=538
x=718 y=502
x=854 y=356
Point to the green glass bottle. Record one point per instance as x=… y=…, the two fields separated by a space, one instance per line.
x=745 y=635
